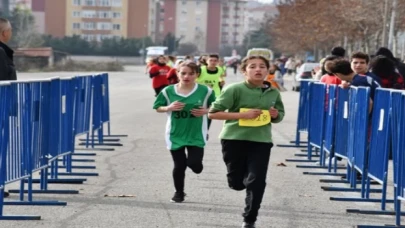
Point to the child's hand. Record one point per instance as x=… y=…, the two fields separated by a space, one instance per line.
x=273 y=113
x=199 y=112
x=175 y=106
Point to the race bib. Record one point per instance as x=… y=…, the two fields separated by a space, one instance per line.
x=261 y=120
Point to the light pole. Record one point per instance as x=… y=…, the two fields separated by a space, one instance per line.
x=143 y=43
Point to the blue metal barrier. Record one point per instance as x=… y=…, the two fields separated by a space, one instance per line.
x=303 y=115
x=359 y=98
x=78 y=98
x=100 y=115
x=398 y=155
x=315 y=115
x=396 y=132
x=106 y=106
x=9 y=153
x=376 y=157
x=342 y=123
x=27 y=149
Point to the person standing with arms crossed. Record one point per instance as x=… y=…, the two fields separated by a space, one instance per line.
x=249 y=108
x=186 y=105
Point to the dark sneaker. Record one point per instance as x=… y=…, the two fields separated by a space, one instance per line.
x=248 y=225
x=6 y=194
x=178 y=197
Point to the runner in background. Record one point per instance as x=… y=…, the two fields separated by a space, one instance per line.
x=249 y=108
x=275 y=78
x=211 y=74
x=170 y=61
x=150 y=64
x=172 y=74
x=222 y=65
x=186 y=105
x=158 y=73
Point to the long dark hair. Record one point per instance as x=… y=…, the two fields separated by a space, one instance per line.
x=383 y=66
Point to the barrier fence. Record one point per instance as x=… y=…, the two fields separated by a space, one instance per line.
x=39 y=123
x=363 y=131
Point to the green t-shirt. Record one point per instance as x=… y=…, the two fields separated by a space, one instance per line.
x=243 y=95
x=211 y=80
x=182 y=128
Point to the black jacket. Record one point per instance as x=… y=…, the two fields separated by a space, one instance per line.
x=7 y=68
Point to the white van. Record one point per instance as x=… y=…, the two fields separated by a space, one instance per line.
x=155 y=51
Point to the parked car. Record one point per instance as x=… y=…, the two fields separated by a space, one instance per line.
x=303 y=72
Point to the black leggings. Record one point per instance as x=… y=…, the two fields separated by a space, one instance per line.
x=247 y=164
x=159 y=89
x=193 y=160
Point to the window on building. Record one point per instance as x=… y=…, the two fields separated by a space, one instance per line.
x=117 y=3
x=77 y=2
x=104 y=3
x=76 y=26
x=104 y=26
x=89 y=14
x=76 y=13
x=116 y=14
x=116 y=27
x=89 y=25
x=104 y=14
x=90 y=2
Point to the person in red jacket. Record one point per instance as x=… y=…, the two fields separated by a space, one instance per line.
x=172 y=75
x=158 y=74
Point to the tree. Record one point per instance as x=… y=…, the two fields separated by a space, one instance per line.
x=171 y=42
x=187 y=49
x=24 y=33
x=257 y=39
x=316 y=26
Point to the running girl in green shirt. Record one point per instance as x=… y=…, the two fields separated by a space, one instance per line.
x=249 y=108
x=186 y=105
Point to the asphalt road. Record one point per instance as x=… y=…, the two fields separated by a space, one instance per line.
x=142 y=168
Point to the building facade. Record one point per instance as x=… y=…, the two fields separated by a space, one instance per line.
x=95 y=20
x=209 y=24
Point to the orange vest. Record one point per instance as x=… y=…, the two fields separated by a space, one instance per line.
x=270 y=79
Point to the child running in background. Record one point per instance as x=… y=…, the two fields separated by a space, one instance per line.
x=172 y=75
x=211 y=74
x=186 y=105
x=158 y=73
x=249 y=108
x=222 y=65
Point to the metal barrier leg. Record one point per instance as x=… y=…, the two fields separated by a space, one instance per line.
x=109 y=132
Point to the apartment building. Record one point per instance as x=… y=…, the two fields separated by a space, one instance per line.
x=232 y=22
x=95 y=20
x=209 y=24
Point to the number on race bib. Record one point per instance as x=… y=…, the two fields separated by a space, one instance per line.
x=261 y=120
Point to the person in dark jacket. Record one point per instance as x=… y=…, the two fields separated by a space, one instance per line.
x=387 y=53
x=7 y=68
